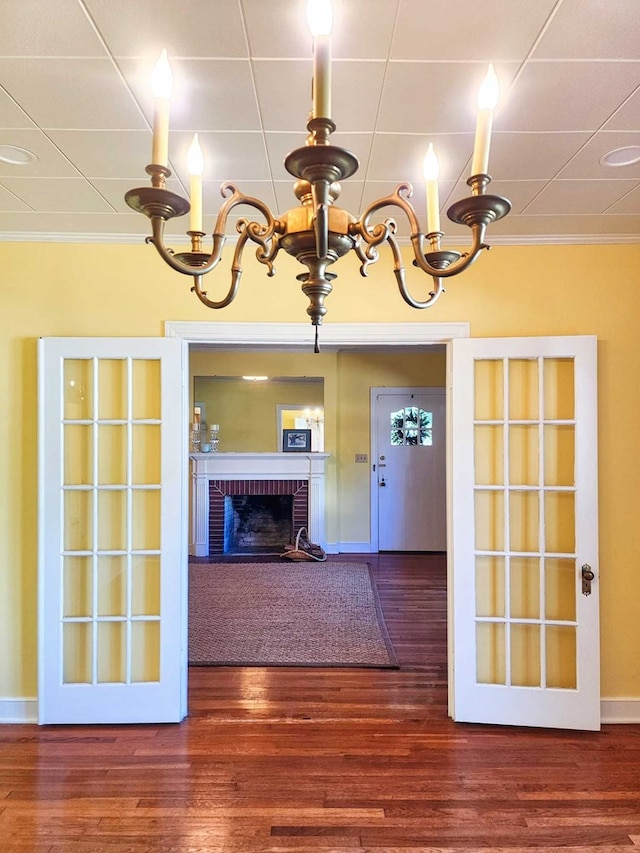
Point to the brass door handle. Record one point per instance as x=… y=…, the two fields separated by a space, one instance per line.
x=587 y=577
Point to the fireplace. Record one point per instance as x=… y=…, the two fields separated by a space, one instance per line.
x=255 y=516
x=257 y=524
x=216 y=476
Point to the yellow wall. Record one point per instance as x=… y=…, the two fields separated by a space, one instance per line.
x=57 y=289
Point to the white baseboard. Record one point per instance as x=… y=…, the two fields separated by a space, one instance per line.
x=19 y=710
x=348 y=548
x=620 y=710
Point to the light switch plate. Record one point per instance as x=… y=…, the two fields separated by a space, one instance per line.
x=362 y=457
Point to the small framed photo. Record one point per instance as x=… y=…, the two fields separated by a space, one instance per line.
x=296 y=440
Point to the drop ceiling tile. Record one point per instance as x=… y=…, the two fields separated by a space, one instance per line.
x=106 y=153
x=550 y=96
x=51 y=162
x=630 y=204
x=11 y=114
x=70 y=224
x=71 y=93
x=491 y=31
x=587 y=29
x=399 y=157
x=227 y=156
x=207 y=95
x=289 y=110
x=627 y=117
x=55 y=28
x=9 y=201
x=589 y=226
x=586 y=163
x=578 y=197
x=189 y=28
x=57 y=194
x=530 y=156
x=434 y=97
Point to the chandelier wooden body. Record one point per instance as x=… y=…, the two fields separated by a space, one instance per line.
x=317 y=231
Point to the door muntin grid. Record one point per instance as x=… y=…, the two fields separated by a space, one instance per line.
x=525 y=549
x=110 y=483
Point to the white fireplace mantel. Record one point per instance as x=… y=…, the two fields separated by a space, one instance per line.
x=255 y=466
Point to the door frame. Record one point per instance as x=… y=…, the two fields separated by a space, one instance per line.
x=300 y=337
x=374 y=502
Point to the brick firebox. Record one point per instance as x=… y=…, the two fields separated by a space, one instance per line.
x=218 y=489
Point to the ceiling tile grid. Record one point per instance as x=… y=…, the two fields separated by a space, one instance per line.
x=74 y=91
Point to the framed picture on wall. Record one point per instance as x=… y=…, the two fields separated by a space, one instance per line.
x=296 y=440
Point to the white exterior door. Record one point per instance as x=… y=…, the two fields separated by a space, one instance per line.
x=409 y=477
x=112 y=531
x=524 y=532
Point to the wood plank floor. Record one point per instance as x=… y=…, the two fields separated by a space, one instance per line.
x=323 y=761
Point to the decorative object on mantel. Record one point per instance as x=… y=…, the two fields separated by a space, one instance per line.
x=317 y=232
x=214 y=437
x=296 y=440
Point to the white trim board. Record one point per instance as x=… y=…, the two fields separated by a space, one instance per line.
x=301 y=335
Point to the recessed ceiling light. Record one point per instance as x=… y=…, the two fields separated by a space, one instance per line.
x=622 y=156
x=15 y=156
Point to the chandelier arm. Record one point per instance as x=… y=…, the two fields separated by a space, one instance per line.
x=457 y=266
x=167 y=255
x=228 y=299
x=399 y=272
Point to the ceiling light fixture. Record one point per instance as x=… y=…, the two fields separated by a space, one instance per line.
x=14 y=156
x=627 y=156
x=318 y=232
x=255 y=378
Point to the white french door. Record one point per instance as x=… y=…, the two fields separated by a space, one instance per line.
x=112 y=531
x=524 y=532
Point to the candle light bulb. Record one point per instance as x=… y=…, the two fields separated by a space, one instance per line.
x=162 y=78
x=487 y=99
x=195 y=158
x=195 y=166
x=489 y=91
x=320 y=17
x=431 y=169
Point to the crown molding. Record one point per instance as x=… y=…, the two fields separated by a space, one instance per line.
x=498 y=240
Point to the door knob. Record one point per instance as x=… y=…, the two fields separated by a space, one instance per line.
x=587 y=577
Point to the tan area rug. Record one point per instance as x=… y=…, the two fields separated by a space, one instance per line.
x=286 y=614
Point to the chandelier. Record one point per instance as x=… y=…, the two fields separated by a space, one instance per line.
x=317 y=232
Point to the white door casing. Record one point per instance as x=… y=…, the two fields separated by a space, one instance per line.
x=523 y=526
x=112 y=530
x=409 y=469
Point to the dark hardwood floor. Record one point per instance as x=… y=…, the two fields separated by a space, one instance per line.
x=287 y=759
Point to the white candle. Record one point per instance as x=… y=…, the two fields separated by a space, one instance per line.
x=320 y=19
x=431 y=170
x=487 y=100
x=195 y=165
x=161 y=87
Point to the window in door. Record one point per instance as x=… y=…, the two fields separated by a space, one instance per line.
x=411 y=426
